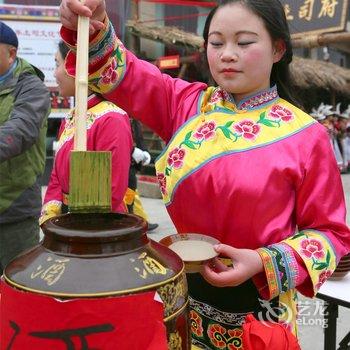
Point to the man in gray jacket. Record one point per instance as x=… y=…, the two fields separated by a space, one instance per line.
x=24 y=107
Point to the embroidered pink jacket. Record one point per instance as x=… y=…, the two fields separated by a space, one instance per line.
x=108 y=130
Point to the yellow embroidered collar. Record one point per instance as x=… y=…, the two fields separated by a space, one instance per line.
x=215 y=98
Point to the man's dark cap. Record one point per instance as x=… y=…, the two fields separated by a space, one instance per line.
x=7 y=35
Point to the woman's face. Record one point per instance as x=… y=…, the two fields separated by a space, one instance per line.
x=66 y=83
x=240 y=51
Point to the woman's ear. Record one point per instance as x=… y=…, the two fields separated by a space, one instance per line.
x=279 y=49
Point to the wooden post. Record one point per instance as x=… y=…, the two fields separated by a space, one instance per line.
x=182 y=70
x=135 y=41
x=321 y=40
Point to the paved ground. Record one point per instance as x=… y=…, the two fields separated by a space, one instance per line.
x=311 y=331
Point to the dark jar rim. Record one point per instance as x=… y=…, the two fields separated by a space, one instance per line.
x=94 y=228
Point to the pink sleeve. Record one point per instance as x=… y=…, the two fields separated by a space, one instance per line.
x=114 y=134
x=309 y=257
x=157 y=100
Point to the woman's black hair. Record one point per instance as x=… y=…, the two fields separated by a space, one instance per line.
x=272 y=13
x=63 y=49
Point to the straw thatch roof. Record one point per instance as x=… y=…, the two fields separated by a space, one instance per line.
x=307 y=73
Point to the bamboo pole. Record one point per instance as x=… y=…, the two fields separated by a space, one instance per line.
x=81 y=84
x=90 y=172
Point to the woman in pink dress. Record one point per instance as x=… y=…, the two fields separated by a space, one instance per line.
x=242 y=164
x=108 y=129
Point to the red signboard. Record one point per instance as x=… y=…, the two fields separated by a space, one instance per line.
x=169 y=62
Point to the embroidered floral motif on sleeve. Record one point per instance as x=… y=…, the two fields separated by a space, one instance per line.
x=111 y=73
x=317 y=252
x=281 y=267
x=322 y=278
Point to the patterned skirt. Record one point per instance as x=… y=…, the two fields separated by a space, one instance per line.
x=217 y=314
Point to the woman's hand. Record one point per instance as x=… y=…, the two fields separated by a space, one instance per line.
x=246 y=264
x=95 y=9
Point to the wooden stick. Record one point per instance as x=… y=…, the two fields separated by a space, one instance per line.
x=81 y=84
x=90 y=172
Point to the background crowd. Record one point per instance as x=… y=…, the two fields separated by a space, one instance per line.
x=337 y=122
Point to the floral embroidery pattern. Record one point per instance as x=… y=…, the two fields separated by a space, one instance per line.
x=216 y=335
x=235 y=338
x=110 y=75
x=205 y=131
x=247 y=128
x=314 y=250
x=196 y=324
x=324 y=275
x=176 y=157
x=222 y=338
x=112 y=72
x=162 y=183
x=278 y=113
